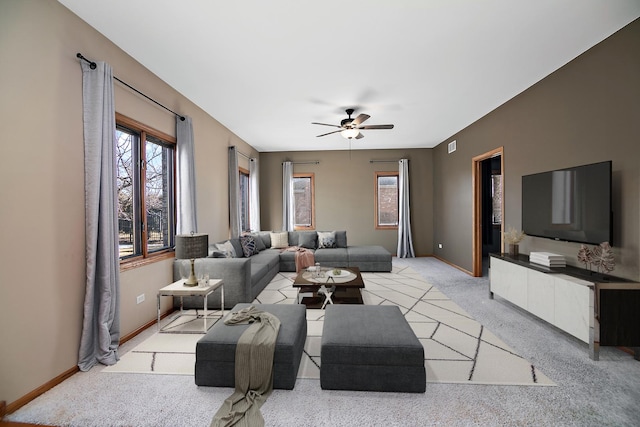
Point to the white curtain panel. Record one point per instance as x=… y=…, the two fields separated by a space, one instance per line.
x=186 y=220
x=405 y=243
x=254 y=194
x=101 y=323
x=288 y=211
x=234 y=194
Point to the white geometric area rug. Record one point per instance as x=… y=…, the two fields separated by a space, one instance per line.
x=458 y=349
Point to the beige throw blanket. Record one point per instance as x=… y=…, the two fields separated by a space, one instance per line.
x=253 y=369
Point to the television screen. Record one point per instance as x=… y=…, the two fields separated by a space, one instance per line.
x=572 y=204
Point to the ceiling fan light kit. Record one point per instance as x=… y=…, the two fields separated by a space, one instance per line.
x=350 y=133
x=350 y=128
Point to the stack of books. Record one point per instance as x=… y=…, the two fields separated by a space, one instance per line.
x=548 y=259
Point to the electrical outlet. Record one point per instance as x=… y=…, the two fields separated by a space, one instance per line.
x=439 y=245
x=140 y=299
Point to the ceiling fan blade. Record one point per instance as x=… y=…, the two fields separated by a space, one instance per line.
x=360 y=135
x=360 y=119
x=376 y=127
x=325 y=134
x=325 y=124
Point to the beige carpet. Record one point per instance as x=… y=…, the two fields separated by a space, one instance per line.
x=457 y=348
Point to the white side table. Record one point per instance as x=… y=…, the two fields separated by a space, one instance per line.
x=178 y=289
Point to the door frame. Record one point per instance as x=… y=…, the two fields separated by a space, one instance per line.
x=477 y=206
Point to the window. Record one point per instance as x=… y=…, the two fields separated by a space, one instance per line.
x=303 y=199
x=146 y=201
x=244 y=199
x=386 y=200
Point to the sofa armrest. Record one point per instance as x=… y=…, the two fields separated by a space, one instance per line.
x=235 y=272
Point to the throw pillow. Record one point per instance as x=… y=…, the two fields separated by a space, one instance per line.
x=248 y=246
x=341 y=239
x=307 y=239
x=266 y=238
x=218 y=254
x=259 y=242
x=227 y=249
x=326 y=239
x=280 y=239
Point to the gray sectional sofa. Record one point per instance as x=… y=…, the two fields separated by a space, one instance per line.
x=246 y=276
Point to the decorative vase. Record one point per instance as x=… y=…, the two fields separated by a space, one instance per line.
x=185 y=269
x=513 y=249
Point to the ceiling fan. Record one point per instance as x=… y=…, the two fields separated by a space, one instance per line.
x=350 y=128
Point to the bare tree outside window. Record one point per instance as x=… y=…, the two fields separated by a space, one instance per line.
x=244 y=200
x=145 y=181
x=304 y=205
x=386 y=200
x=126 y=215
x=157 y=188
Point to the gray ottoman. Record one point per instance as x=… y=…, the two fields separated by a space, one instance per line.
x=216 y=351
x=370 y=348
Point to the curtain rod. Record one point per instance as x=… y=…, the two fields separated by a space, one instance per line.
x=384 y=161
x=93 y=65
x=239 y=152
x=314 y=162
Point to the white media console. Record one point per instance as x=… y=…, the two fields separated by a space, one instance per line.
x=597 y=309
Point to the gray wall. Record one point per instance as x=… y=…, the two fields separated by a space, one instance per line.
x=587 y=111
x=344 y=193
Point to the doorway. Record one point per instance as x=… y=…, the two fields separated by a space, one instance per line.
x=488 y=208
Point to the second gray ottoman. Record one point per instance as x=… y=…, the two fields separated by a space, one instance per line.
x=370 y=348
x=216 y=351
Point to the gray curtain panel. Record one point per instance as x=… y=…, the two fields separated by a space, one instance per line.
x=101 y=324
x=234 y=194
x=186 y=220
x=288 y=211
x=405 y=243
x=254 y=194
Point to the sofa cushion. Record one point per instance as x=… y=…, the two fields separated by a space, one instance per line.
x=334 y=257
x=307 y=239
x=341 y=239
x=326 y=239
x=368 y=253
x=266 y=238
x=293 y=238
x=249 y=247
x=260 y=246
x=279 y=239
x=227 y=249
x=258 y=271
x=237 y=246
x=271 y=257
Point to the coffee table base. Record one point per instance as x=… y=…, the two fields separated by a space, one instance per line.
x=308 y=295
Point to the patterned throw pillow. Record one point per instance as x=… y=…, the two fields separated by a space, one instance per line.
x=227 y=249
x=326 y=239
x=280 y=239
x=248 y=246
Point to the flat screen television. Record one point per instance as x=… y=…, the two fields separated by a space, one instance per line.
x=572 y=204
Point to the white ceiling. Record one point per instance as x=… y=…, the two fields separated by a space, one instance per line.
x=267 y=69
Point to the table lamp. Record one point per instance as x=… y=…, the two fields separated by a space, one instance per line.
x=192 y=246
